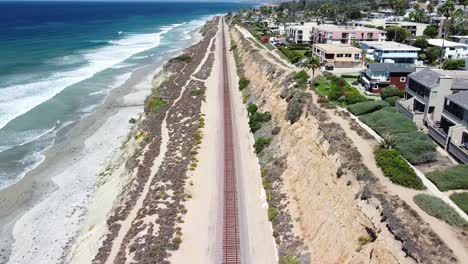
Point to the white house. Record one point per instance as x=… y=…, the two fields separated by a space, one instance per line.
x=452 y=50
x=390 y=52
x=300 y=34
x=460 y=39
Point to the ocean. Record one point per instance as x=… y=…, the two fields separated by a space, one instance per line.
x=59 y=60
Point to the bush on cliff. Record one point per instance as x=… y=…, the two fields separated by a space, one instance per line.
x=261 y=143
x=182 y=58
x=296 y=106
x=301 y=77
x=256 y=118
x=243 y=83
x=156 y=102
x=397 y=169
x=366 y=107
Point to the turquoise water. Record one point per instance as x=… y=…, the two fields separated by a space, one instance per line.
x=60 y=60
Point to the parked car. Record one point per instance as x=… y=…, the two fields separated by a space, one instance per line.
x=329 y=67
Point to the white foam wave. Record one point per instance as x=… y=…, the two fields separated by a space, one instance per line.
x=18 y=99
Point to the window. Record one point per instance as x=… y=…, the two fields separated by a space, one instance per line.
x=348 y=55
x=454 y=109
x=402 y=79
x=340 y=55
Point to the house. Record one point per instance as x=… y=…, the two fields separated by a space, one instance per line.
x=414 y=29
x=452 y=50
x=390 y=51
x=333 y=34
x=338 y=55
x=300 y=34
x=380 y=75
x=451 y=132
x=460 y=39
x=426 y=90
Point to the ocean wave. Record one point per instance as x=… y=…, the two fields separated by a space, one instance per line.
x=26 y=137
x=18 y=99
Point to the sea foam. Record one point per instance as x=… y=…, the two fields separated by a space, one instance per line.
x=17 y=100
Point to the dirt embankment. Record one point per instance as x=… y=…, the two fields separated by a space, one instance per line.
x=326 y=207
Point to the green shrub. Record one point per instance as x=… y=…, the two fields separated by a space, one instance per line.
x=436 y=207
x=156 y=103
x=293 y=56
x=453 y=64
x=196 y=92
x=132 y=120
x=182 y=58
x=176 y=241
x=397 y=169
x=366 y=107
x=391 y=91
x=453 y=178
x=243 y=83
x=460 y=199
x=391 y=101
x=252 y=108
x=272 y=213
x=288 y=260
x=261 y=143
x=301 y=77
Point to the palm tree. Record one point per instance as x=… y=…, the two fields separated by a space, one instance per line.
x=312 y=63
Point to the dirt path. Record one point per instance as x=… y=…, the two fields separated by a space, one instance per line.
x=366 y=147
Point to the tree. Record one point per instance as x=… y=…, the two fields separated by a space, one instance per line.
x=328 y=10
x=421 y=42
x=431 y=31
x=430 y=8
x=464 y=3
x=312 y=63
x=397 y=34
x=453 y=64
x=432 y=54
x=353 y=13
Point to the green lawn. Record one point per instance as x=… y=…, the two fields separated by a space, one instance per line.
x=301 y=51
x=338 y=89
x=460 y=199
x=269 y=46
x=453 y=178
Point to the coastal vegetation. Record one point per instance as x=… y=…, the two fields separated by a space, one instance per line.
x=156 y=103
x=243 y=83
x=366 y=107
x=414 y=145
x=301 y=77
x=436 y=207
x=453 y=178
x=460 y=199
x=256 y=118
x=182 y=58
x=261 y=143
x=338 y=90
x=397 y=169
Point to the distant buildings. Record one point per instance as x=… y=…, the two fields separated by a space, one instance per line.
x=390 y=51
x=460 y=39
x=414 y=29
x=300 y=34
x=381 y=75
x=338 y=55
x=452 y=50
x=333 y=34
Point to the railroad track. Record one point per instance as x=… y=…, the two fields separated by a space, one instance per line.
x=231 y=252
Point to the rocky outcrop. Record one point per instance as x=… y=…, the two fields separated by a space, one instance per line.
x=327 y=207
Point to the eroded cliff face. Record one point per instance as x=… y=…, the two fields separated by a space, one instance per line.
x=327 y=211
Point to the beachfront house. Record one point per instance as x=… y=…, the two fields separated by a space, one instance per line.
x=451 y=132
x=438 y=99
x=338 y=55
x=390 y=51
x=380 y=75
x=333 y=34
x=452 y=50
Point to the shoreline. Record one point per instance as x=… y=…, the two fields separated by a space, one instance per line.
x=108 y=125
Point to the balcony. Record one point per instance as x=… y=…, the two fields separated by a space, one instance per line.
x=438 y=134
x=458 y=151
x=406 y=108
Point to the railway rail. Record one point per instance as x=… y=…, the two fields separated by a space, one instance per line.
x=231 y=244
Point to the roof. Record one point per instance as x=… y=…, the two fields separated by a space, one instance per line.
x=430 y=78
x=389 y=45
x=460 y=99
x=337 y=48
x=426 y=77
x=447 y=43
x=392 y=67
x=337 y=28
